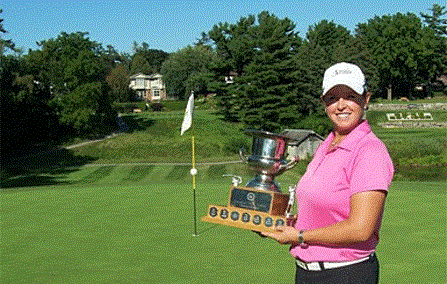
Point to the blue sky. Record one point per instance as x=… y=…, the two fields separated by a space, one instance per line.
x=170 y=25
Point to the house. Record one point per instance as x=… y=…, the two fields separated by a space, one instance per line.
x=229 y=79
x=303 y=142
x=150 y=88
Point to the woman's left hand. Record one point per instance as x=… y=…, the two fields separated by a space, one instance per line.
x=283 y=235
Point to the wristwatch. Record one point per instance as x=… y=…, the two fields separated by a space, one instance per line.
x=300 y=237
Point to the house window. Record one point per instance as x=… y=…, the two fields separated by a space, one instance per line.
x=155 y=94
x=140 y=82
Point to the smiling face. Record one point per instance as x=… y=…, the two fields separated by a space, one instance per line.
x=344 y=108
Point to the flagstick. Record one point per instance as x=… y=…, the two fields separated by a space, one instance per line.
x=194 y=180
x=186 y=124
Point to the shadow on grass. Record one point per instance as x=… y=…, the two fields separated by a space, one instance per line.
x=216 y=171
x=138 y=173
x=178 y=173
x=38 y=169
x=131 y=123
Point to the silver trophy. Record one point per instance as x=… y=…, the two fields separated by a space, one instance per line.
x=260 y=205
x=268 y=159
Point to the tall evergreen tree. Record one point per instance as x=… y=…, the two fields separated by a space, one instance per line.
x=260 y=54
x=325 y=44
x=436 y=21
x=5 y=43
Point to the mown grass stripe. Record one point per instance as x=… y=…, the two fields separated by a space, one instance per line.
x=178 y=172
x=215 y=171
x=98 y=174
x=138 y=173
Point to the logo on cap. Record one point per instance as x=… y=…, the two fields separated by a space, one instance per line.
x=341 y=71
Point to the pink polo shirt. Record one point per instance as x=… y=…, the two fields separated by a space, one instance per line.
x=359 y=163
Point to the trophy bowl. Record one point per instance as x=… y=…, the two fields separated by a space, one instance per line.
x=268 y=159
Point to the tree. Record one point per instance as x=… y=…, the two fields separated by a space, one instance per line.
x=434 y=21
x=5 y=43
x=187 y=70
x=259 y=50
x=73 y=68
x=404 y=53
x=25 y=116
x=118 y=81
x=325 y=44
x=146 y=60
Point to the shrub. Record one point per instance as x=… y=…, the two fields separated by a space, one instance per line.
x=128 y=107
x=156 y=107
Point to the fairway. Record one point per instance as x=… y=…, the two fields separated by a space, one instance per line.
x=134 y=224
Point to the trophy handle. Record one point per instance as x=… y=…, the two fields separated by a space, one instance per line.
x=291 y=201
x=289 y=165
x=236 y=180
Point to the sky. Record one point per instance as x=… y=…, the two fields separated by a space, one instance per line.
x=170 y=25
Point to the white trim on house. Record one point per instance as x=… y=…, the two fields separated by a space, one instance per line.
x=148 y=87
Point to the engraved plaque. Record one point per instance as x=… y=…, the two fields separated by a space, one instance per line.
x=250 y=199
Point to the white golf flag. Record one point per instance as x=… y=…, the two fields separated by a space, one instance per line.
x=187 y=120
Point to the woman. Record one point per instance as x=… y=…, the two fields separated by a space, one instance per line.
x=340 y=198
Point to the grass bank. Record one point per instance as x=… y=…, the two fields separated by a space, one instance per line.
x=155 y=137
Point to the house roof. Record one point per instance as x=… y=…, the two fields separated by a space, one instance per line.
x=144 y=76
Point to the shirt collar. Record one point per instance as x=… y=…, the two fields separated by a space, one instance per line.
x=353 y=137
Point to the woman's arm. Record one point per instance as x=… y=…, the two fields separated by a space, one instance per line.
x=365 y=211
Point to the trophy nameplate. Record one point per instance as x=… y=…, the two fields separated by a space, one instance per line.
x=251 y=209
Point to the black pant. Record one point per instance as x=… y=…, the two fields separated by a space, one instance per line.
x=365 y=272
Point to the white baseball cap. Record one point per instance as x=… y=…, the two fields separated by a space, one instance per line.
x=344 y=74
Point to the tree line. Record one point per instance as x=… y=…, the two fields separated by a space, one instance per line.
x=67 y=87
x=278 y=74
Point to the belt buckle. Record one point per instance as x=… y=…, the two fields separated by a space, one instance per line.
x=301 y=264
x=309 y=266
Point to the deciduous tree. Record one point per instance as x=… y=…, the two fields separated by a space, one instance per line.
x=404 y=52
x=72 y=68
x=187 y=70
x=146 y=60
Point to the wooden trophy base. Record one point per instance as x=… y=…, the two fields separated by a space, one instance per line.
x=250 y=209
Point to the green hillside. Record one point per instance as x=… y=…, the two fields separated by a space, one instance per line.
x=155 y=137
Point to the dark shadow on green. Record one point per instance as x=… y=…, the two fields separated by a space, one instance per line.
x=138 y=173
x=41 y=168
x=178 y=172
x=133 y=123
